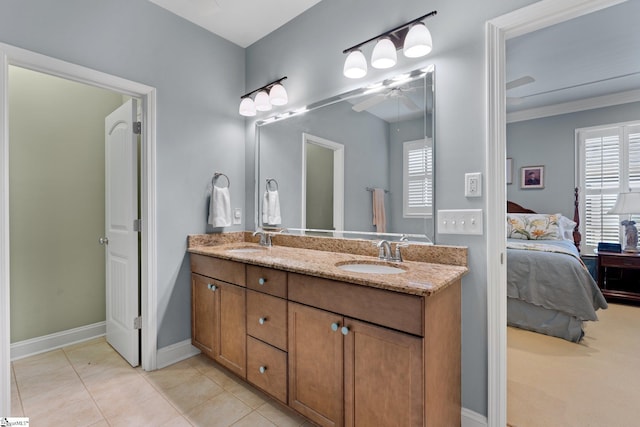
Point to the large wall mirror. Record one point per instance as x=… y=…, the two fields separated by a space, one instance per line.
x=323 y=165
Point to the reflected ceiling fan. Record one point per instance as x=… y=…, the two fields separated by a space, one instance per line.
x=524 y=80
x=396 y=93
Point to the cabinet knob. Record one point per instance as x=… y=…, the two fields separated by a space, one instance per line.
x=262 y=320
x=344 y=330
x=262 y=281
x=212 y=287
x=262 y=369
x=335 y=326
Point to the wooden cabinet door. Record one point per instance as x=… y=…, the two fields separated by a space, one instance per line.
x=315 y=365
x=203 y=314
x=231 y=344
x=383 y=377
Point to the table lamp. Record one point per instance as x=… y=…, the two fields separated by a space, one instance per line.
x=628 y=204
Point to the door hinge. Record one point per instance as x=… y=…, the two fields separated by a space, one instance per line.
x=137 y=322
x=137 y=128
x=137 y=225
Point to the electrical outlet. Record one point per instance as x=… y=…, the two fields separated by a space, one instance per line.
x=473 y=184
x=460 y=221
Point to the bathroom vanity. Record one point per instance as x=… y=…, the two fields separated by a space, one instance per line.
x=339 y=347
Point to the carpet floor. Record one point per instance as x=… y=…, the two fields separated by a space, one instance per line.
x=553 y=382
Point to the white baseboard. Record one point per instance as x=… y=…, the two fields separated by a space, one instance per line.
x=33 y=346
x=473 y=419
x=174 y=353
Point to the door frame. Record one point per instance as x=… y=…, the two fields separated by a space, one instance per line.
x=11 y=55
x=522 y=21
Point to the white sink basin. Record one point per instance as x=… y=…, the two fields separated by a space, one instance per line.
x=371 y=268
x=245 y=250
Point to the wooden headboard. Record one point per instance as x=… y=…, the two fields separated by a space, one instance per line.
x=513 y=207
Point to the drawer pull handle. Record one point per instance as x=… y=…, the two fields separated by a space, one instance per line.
x=344 y=330
x=262 y=281
x=262 y=320
x=335 y=326
x=263 y=369
x=212 y=287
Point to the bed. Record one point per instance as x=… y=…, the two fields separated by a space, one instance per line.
x=549 y=289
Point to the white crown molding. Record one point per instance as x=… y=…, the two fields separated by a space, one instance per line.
x=575 y=106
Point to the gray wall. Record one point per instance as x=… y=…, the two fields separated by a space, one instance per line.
x=199 y=78
x=550 y=141
x=309 y=51
x=319 y=187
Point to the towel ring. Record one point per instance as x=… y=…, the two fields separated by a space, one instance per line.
x=272 y=181
x=217 y=175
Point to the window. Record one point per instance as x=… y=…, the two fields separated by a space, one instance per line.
x=609 y=163
x=417 y=180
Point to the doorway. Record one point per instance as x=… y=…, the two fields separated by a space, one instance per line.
x=10 y=55
x=322 y=183
x=530 y=18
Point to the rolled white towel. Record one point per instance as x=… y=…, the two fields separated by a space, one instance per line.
x=220 y=207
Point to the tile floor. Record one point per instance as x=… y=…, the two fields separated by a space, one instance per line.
x=89 y=384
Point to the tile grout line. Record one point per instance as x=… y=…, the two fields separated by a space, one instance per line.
x=64 y=351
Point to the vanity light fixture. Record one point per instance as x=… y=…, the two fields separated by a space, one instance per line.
x=266 y=97
x=413 y=37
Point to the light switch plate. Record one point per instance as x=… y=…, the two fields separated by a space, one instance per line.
x=460 y=221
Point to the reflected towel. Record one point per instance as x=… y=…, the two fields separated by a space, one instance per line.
x=379 y=217
x=220 y=207
x=271 y=208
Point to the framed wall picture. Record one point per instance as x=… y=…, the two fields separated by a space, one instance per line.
x=509 y=171
x=532 y=177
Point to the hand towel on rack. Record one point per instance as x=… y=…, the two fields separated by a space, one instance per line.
x=379 y=217
x=220 y=207
x=271 y=208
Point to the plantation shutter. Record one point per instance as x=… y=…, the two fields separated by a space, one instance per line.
x=418 y=178
x=610 y=164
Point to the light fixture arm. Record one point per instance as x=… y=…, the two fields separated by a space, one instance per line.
x=265 y=87
x=390 y=32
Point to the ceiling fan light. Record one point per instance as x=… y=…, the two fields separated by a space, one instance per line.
x=262 y=101
x=355 y=66
x=384 y=54
x=418 y=41
x=247 y=107
x=278 y=95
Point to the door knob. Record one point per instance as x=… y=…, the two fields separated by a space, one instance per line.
x=103 y=241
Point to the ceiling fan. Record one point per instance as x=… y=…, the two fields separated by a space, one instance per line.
x=521 y=81
x=397 y=93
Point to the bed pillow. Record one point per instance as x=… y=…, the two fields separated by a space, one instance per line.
x=534 y=226
x=566 y=228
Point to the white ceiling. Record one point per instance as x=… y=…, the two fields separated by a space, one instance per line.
x=242 y=22
x=593 y=55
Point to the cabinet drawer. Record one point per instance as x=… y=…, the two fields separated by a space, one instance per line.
x=267 y=280
x=391 y=309
x=267 y=318
x=221 y=269
x=272 y=378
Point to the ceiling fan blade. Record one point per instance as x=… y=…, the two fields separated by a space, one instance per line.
x=408 y=102
x=368 y=103
x=525 y=80
x=514 y=100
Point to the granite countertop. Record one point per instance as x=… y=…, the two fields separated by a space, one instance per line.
x=419 y=278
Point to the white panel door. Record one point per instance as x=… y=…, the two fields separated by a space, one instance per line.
x=121 y=169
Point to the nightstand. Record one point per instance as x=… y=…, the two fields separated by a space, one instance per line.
x=619 y=275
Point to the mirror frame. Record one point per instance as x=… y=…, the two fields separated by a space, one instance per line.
x=345 y=96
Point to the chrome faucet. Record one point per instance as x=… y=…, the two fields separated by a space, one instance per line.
x=384 y=250
x=265 y=238
x=403 y=243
